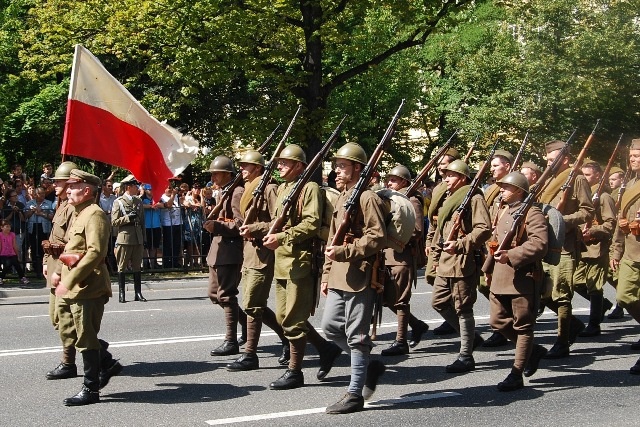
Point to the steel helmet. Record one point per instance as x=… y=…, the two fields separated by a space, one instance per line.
x=293 y=152
x=64 y=170
x=222 y=164
x=460 y=167
x=253 y=157
x=401 y=172
x=517 y=180
x=352 y=151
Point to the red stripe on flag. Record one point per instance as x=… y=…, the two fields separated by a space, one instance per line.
x=97 y=134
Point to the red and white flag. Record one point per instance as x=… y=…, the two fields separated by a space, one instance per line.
x=106 y=123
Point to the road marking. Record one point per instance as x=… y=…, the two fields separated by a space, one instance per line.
x=106 y=312
x=375 y=404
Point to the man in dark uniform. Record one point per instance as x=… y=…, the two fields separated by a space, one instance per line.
x=592 y=269
x=577 y=212
x=500 y=166
x=457 y=261
x=257 y=266
x=402 y=268
x=293 y=248
x=225 y=255
x=515 y=279
x=346 y=280
x=84 y=287
x=127 y=216
x=625 y=250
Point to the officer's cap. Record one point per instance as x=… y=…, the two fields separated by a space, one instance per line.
x=78 y=175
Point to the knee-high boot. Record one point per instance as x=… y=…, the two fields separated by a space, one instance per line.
x=137 y=286
x=121 y=281
x=90 y=390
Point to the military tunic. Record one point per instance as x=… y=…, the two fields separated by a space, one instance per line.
x=626 y=248
x=131 y=231
x=60 y=223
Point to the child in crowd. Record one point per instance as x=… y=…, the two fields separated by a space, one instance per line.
x=9 y=253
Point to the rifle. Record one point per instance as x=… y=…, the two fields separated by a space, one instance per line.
x=466 y=202
x=227 y=191
x=292 y=198
x=534 y=192
x=353 y=203
x=605 y=175
x=623 y=187
x=518 y=157
x=258 y=194
x=574 y=170
x=473 y=145
x=426 y=170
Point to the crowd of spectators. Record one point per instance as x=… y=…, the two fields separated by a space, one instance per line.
x=174 y=237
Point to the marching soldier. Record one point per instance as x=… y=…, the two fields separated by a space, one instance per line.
x=83 y=288
x=402 y=269
x=257 y=267
x=225 y=255
x=500 y=166
x=458 y=261
x=127 y=216
x=292 y=270
x=616 y=176
x=578 y=211
x=625 y=251
x=515 y=279
x=593 y=266
x=437 y=197
x=346 y=281
x=531 y=171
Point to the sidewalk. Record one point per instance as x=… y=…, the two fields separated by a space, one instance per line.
x=162 y=280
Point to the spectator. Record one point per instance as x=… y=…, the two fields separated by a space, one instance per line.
x=47 y=172
x=208 y=202
x=38 y=215
x=13 y=211
x=9 y=253
x=106 y=203
x=153 y=232
x=49 y=190
x=171 y=220
x=16 y=173
x=193 y=225
x=21 y=190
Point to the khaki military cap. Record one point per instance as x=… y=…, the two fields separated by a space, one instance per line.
x=531 y=166
x=635 y=144
x=504 y=153
x=78 y=175
x=554 y=145
x=614 y=170
x=453 y=153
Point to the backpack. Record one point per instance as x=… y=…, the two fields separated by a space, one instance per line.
x=556 y=232
x=401 y=221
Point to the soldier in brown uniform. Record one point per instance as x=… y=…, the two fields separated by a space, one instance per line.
x=257 y=267
x=577 y=212
x=346 y=280
x=500 y=166
x=458 y=262
x=293 y=258
x=616 y=176
x=84 y=287
x=225 y=255
x=437 y=197
x=593 y=266
x=515 y=279
x=402 y=269
x=531 y=171
x=127 y=216
x=625 y=250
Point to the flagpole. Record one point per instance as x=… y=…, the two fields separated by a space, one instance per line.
x=74 y=74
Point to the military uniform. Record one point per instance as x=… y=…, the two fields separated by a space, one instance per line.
x=591 y=272
x=578 y=211
x=127 y=215
x=458 y=274
x=515 y=286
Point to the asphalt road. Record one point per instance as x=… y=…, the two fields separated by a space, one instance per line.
x=170 y=378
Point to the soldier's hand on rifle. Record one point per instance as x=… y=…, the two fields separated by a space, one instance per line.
x=614 y=263
x=324 y=288
x=449 y=247
x=330 y=252
x=501 y=256
x=271 y=242
x=244 y=231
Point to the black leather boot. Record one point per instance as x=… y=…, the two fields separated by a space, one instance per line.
x=67 y=368
x=595 y=316
x=109 y=367
x=137 y=286
x=90 y=389
x=121 y=280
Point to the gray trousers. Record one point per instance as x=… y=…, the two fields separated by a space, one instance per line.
x=347 y=318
